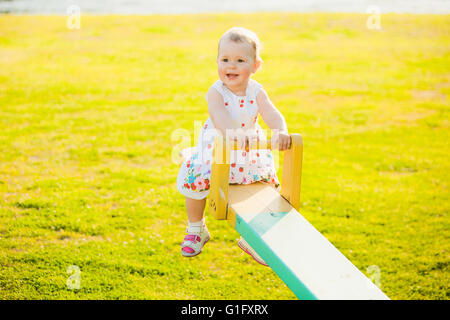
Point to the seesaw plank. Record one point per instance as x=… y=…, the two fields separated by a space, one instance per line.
x=299 y=254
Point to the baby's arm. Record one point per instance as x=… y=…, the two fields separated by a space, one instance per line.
x=222 y=119
x=219 y=116
x=274 y=119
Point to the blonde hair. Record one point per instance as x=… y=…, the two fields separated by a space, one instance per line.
x=240 y=34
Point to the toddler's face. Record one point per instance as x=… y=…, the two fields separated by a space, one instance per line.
x=236 y=63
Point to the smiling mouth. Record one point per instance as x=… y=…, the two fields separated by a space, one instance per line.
x=232 y=76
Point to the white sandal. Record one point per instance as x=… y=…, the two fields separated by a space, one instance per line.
x=194 y=241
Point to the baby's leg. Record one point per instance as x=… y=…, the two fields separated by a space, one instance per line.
x=195 y=209
x=197 y=232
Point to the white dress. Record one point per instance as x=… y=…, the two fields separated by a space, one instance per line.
x=245 y=167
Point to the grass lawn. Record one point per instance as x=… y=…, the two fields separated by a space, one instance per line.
x=86 y=176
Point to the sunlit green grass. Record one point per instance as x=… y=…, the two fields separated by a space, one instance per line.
x=86 y=176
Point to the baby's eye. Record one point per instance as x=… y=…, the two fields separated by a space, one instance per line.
x=225 y=60
x=240 y=60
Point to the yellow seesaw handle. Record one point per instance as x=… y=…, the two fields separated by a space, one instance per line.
x=220 y=172
x=259 y=144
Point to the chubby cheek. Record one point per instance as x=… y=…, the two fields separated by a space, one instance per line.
x=222 y=71
x=221 y=66
x=245 y=71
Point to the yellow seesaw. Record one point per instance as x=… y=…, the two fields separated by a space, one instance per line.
x=270 y=222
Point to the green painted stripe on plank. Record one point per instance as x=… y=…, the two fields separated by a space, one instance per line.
x=252 y=233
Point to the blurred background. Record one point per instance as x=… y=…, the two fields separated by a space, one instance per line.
x=91 y=93
x=202 y=6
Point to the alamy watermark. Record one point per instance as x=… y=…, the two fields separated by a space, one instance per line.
x=74 y=17
x=374 y=275
x=242 y=139
x=74 y=280
x=374 y=20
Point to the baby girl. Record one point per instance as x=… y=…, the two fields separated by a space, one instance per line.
x=234 y=103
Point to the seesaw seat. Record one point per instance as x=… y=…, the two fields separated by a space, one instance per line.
x=254 y=198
